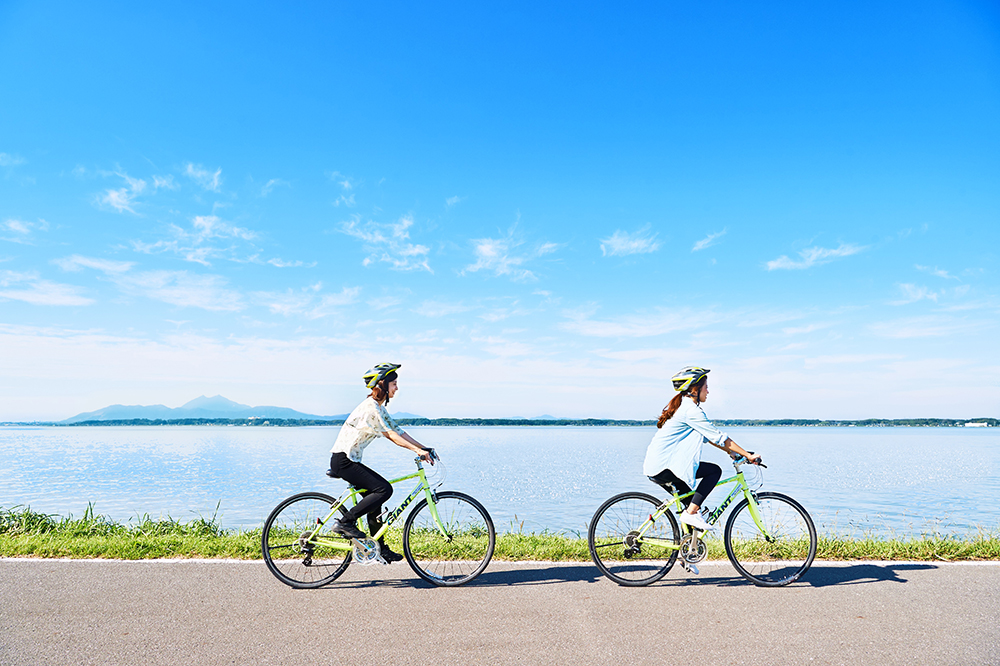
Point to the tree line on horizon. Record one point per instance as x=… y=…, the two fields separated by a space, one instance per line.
x=474 y=422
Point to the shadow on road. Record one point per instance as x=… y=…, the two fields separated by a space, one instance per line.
x=817 y=576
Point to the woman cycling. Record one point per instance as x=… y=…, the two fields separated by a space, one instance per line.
x=369 y=420
x=674 y=456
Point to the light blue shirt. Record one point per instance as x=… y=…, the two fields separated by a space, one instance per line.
x=677 y=445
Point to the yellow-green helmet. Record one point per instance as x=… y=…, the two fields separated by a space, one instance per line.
x=688 y=376
x=380 y=372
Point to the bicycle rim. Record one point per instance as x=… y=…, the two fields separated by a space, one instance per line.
x=784 y=554
x=458 y=555
x=286 y=545
x=618 y=550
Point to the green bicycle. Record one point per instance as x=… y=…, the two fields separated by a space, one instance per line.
x=448 y=538
x=634 y=538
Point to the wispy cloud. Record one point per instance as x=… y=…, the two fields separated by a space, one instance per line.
x=815 y=256
x=622 y=243
x=440 y=309
x=504 y=257
x=164 y=183
x=183 y=289
x=271 y=184
x=933 y=326
x=708 y=240
x=206 y=179
x=197 y=244
x=281 y=263
x=913 y=293
x=20 y=231
x=658 y=321
x=389 y=243
x=308 y=302
x=30 y=288
x=76 y=262
x=937 y=272
x=346 y=201
x=8 y=160
x=451 y=201
x=123 y=198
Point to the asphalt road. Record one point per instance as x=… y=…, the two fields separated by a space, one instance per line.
x=224 y=612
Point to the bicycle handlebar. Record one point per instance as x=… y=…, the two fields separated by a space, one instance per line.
x=740 y=460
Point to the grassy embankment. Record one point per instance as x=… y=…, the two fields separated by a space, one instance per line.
x=26 y=533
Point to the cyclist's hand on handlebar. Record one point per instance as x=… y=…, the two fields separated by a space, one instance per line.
x=429 y=455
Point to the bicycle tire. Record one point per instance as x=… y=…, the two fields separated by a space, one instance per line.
x=638 y=562
x=293 y=561
x=779 y=559
x=457 y=558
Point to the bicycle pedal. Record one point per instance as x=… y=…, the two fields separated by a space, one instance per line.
x=690 y=568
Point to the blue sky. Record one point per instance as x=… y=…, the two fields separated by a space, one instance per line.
x=536 y=210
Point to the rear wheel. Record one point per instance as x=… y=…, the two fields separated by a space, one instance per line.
x=290 y=553
x=457 y=550
x=781 y=552
x=621 y=552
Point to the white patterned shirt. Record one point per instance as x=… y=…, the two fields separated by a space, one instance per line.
x=365 y=423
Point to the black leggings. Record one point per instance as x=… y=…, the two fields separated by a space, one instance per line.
x=376 y=489
x=709 y=473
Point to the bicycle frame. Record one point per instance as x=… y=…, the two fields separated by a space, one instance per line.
x=352 y=494
x=741 y=487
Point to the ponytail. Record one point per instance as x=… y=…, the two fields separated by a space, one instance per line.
x=675 y=403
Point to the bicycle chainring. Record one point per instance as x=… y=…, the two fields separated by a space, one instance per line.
x=367 y=552
x=691 y=554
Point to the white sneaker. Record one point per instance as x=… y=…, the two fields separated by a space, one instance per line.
x=696 y=521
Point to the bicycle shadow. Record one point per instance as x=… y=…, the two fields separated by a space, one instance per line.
x=817 y=576
x=533 y=575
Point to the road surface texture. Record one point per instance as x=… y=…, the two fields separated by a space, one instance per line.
x=225 y=612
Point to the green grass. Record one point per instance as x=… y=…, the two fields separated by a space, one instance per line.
x=27 y=533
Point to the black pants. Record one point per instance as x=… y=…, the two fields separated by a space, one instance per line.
x=709 y=473
x=376 y=489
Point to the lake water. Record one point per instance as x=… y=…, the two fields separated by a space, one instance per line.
x=902 y=481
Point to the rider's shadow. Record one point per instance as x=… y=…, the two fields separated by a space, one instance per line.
x=818 y=576
x=533 y=575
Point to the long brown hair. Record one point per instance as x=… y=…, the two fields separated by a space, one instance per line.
x=381 y=390
x=675 y=402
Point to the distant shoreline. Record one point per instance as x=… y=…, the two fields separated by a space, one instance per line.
x=626 y=423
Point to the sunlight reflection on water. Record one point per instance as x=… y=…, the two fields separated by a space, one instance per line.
x=852 y=480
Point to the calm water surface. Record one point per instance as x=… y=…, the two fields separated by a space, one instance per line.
x=852 y=480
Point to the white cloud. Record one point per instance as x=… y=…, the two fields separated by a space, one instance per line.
x=30 y=288
x=8 y=160
x=913 y=293
x=389 y=243
x=20 y=231
x=926 y=327
x=271 y=184
x=815 y=256
x=308 y=302
x=342 y=180
x=164 y=183
x=208 y=292
x=348 y=202
x=196 y=245
x=281 y=263
x=501 y=256
x=622 y=243
x=123 y=198
x=708 y=241
x=659 y=321
x=937 y=272
x=439 y=309
x=451 y=201
x=205 y=178
x=799 y=330
x=78 y=262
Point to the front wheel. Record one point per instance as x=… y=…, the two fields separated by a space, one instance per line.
x=778 y=550
x=626 y=546
x=287 y=545
x=455 y=549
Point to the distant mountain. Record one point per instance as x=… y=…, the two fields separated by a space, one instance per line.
x=202 y=407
